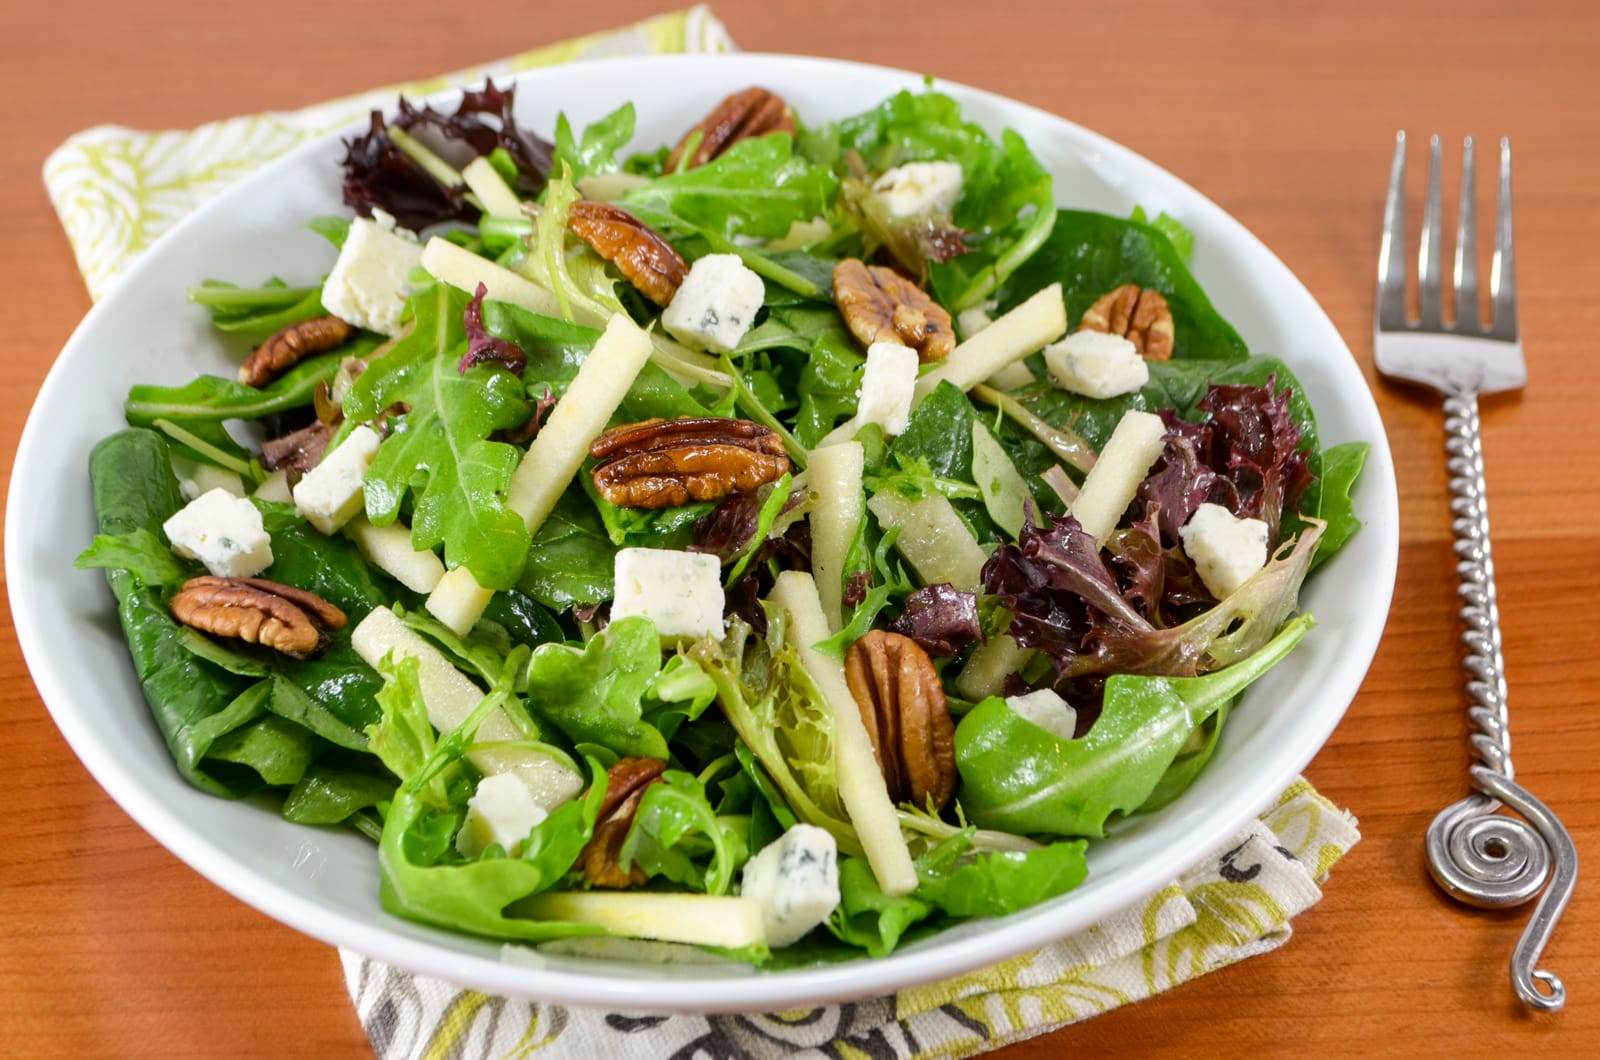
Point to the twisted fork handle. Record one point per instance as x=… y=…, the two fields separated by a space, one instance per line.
x=1476 y=854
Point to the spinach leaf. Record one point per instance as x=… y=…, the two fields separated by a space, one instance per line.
x=1019 y=778
x=1177 y=233
x=329 y=793
x=276 y=749
x=827 y=386
x=758 y=187
x=194 y=703
x=939 y=435
x=1178 y=385
x=593 y=693
x=139 y=552
x=440 y=450
x=1091 y=253
x=571 y=559
x=998 y=882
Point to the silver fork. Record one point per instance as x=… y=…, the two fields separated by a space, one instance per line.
x=1476 y=854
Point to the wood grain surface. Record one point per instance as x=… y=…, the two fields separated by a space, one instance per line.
x=1284 y=114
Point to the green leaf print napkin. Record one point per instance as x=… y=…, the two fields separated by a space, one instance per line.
x=117 y=190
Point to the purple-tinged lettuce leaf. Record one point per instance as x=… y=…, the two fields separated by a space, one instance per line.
x=940 y=618
x=378 y=175
x=484 y=120
x=483 y=347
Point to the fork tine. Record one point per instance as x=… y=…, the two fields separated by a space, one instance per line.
x=1503 y=270
x=1466 y=271
x=1392 y=255
x=1430 y=255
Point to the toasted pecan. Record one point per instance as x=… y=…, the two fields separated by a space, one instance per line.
x=291 y=345
x=1139 y=314
x=751 y=112
x=637 y=250
x=665 y=463
x=907 y=717
x=281 y=617
x=625 y=783
x=880 y=305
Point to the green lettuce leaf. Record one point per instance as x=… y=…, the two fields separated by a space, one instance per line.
x=596 y=151
x=593 y=694
x=674 y=829
x=1017 y=777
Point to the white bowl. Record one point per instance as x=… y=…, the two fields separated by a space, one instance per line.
x=325 y=882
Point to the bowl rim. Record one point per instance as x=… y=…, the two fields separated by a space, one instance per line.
x=683 y=993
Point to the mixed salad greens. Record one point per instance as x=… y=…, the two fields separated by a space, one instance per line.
x=784 y=543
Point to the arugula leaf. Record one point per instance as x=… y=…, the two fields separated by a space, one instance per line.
x=939 y=435
x=213 y=398
x=254 y=313
x=758 y=187
x=440 y=450
x=596 y=151
x=593 y=693
x=1007 y=205
x=1091 y=253
x=556 y=350
x=1019 y=778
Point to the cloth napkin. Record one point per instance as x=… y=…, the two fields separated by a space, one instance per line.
x=117 y=190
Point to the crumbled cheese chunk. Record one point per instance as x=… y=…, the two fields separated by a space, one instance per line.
x=681 y=592
x=887 y=386
x=502 y=810
x=330 y=494
x=222 y=531
x=919 y=189
x=1047 y=710
x=1096 y=364
x=795 y=880
x=1226 y=549
x=368 y=285
x=716 y=303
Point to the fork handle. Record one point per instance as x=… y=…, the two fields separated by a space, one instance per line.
x=1476 y=854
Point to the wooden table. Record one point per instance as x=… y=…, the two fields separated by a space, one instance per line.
x=109 y=945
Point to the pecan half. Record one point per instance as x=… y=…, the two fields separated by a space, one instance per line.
x=647 y=260
x=752 y=112
x=665 y=463
x=907 y=717
x=625 y=783
x=290 y=346
x=281 y=617
x=880 y=305
x=1139 y=314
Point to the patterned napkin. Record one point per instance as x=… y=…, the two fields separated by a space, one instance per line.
x=117 y=190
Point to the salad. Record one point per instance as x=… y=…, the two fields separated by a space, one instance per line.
x=774 y=546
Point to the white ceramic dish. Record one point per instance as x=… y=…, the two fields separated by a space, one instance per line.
x=325 y=883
